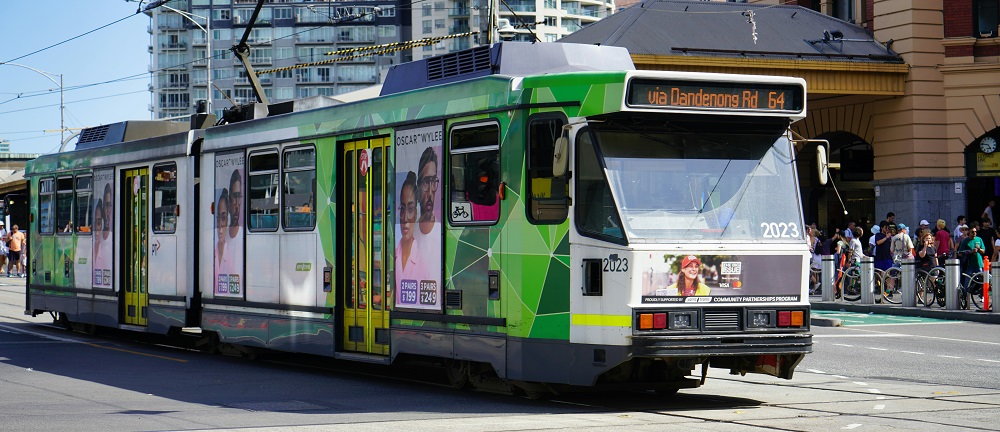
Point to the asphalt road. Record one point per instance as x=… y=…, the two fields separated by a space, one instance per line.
x=866 y=375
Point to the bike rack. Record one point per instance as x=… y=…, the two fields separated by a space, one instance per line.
x=909 y=282
x=952 y=277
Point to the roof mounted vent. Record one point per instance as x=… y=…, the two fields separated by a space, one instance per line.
x=459 y=63
x=127 y=131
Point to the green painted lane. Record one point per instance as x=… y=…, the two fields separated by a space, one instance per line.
x=860 y=319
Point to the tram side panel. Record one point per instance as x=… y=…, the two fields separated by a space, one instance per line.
x=170 y=245
x=260 y=252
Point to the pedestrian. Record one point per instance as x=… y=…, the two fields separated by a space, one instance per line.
x=988 y=234
x=988 y=212
x=871 y=240
x=957 y=235
x=942 y=240
x=17 y=241
x=883 y=257
x=902 y=246
x=4 y=250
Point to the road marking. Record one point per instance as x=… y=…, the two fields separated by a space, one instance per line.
x=912 y=352
x=845 y=345
x=874 y=391
x=839 y=376
x=861 y=383
x=878 y=349
x=852 y=426
x=948 y=356
x=879 y=407
x=988 y=360
x=815 y=371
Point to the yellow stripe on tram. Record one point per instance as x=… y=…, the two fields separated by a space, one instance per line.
x=601 y=320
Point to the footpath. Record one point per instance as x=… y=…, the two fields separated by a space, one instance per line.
x=935 y=312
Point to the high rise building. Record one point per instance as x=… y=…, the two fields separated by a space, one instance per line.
x=191 y=60
x=541 y=20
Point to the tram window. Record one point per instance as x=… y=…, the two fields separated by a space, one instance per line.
x=46 y=223
x=595 y=212
x=547 y=192
x=84 y=196
x=64 y=205
x=263 y=191
x=475 y=174
x=165 y=198
x=299 y=201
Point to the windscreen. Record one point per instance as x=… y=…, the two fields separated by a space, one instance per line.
x=710 y=183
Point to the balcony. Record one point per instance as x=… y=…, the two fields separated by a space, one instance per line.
x=261 y=60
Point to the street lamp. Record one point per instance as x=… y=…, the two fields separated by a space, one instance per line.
x=62 y=105
x=208 y=42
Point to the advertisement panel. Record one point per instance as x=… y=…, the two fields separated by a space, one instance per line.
x=709 y=278
x=228 y=250
x=418 y=233
x=104 y=227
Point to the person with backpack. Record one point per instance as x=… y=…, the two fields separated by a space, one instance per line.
x=970 y=250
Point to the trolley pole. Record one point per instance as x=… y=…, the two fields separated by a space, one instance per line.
x=909 y=288
x=827 y=275
x=867 y=274
x=952 y=277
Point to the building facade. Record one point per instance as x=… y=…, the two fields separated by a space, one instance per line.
x=191 y=58
x=532 y=20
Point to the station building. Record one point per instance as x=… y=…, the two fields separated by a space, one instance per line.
x=906 y=92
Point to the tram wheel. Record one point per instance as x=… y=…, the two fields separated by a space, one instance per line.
x=457 y=372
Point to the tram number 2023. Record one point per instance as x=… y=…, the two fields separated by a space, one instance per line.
x=780 y=230
x=615 y=264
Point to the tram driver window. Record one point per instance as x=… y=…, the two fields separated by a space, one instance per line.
x=547 y=192
x=475 y=174
x=300 y=189
x=595 y=212
x=46 y=222
x=82 y=210
x=165 y=198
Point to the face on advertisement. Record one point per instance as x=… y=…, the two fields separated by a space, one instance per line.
x=690 y=271
x=222 y=216
x=407 y=209
x=235 y=198
x=99 y=220
x=428 y=181
x=109 y=207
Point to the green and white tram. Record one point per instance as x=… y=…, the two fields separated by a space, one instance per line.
x=528 y=215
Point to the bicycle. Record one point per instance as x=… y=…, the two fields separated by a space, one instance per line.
x=931 y=288
x=851 y=283
x=892 y=281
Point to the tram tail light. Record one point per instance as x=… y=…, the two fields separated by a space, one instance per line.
x=784 y=318
x=798 y=318
x=660 y=321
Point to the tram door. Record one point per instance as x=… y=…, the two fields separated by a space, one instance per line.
x=367 y=195
x=134 y=212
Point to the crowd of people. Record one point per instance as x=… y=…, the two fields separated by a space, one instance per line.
x=889 y=242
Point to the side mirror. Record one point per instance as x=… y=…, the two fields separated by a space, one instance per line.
x=822 y=164
x=560 y=158
x=823 y=161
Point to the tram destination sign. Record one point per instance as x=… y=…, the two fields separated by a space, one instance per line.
x=715 y=95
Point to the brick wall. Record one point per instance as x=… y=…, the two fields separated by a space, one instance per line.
x=958 y=18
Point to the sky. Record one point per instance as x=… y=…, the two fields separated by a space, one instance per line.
x=29 y=102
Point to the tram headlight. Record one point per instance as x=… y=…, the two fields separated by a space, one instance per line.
x=682 y=320
x=762 y=318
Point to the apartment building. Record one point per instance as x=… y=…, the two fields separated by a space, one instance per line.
x=470 y=21
x=191 y=60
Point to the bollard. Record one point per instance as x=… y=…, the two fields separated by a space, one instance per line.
x=909 y=288
x=986 y=285
x=952 y=277
x=868 y=294
x=828 y=274
x=994 y=296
